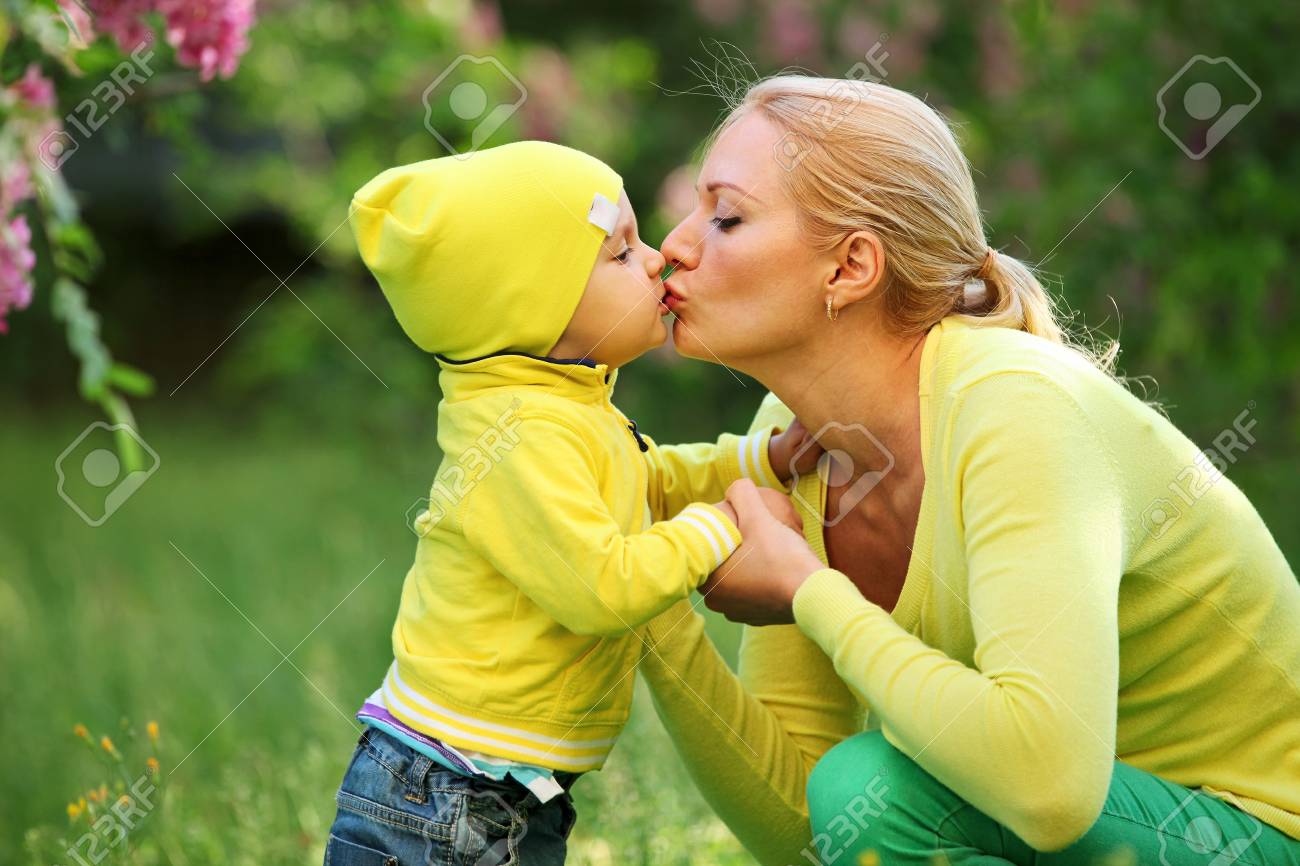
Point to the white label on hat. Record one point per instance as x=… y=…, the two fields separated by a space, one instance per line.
x=603 y=214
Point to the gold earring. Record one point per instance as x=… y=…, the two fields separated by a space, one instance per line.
x=831 y=312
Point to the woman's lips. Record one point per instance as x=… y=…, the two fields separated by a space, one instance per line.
x=672 y=298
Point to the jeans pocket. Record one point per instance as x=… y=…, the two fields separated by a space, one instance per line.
x=341 y=852
x=492 y=825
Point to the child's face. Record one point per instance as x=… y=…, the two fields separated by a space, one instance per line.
x=621 y=314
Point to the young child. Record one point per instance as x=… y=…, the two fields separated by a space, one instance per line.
x=555 y=527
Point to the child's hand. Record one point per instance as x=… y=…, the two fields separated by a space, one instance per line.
x=792 y=451
x=777 y=504
x=759 y=590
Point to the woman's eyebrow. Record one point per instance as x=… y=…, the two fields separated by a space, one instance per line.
x=714 y=184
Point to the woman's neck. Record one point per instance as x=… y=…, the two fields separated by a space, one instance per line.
x=856 y=388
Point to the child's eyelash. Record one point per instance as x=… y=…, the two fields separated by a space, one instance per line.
x=622 y=257
x=725 y=223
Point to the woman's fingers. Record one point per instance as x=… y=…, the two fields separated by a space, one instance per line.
x=743 y=496
x=780 y=507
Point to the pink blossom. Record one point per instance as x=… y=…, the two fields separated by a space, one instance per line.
x=677 y=193
x=211 y=35
x=16 y=263
x=552 y=92
x=718 y=12
x=1001 y=72
x=15 y=185
x=791 y=32
x=482 y=26
x=34 y=88
x=75 y=15
x=123 y=20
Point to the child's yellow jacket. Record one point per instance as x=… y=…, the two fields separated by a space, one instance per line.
x=554 y=532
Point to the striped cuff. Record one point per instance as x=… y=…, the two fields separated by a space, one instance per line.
x=717 y=529
x=749 y=459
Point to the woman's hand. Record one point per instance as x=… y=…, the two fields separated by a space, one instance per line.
x=777 y=504
x=757 y=584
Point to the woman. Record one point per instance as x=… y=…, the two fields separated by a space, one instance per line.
x=1052 y=615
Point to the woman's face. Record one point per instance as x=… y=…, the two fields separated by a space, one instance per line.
x=745 y=284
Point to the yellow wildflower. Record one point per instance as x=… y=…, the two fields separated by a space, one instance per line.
x=80 y=732
x=152 y=730
x=107 y=745
x=74 y=811
x=151 y=764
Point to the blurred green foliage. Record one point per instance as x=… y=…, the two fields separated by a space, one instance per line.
x=295 y=422
x=1186 y=261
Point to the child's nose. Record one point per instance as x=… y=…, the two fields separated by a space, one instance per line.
x=654 y=263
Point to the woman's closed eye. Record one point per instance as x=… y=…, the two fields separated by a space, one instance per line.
x=725 y=223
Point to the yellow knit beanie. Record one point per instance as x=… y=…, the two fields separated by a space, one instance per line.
x=490 y=252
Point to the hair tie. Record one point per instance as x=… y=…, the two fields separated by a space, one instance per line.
x=987 y=264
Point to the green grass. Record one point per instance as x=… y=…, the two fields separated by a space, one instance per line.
x=101 y=623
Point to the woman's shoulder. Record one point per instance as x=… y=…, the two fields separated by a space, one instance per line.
x=969 y=355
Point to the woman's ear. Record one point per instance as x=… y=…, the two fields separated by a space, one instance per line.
x=859 y=272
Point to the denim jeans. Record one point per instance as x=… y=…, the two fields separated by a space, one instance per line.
x=399 y=808
x=870 y=803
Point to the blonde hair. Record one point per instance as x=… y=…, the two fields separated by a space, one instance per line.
x=863 y=155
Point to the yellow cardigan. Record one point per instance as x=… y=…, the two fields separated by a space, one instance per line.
x=1083 y=586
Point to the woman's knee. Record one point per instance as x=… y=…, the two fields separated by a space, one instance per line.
x=854 y=779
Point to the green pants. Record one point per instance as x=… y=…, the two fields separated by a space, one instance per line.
x=871 y=804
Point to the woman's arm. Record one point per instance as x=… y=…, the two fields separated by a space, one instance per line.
x=1027 y=734
x=749 y=742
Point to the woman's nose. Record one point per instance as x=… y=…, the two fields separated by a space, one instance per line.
x=678 y=249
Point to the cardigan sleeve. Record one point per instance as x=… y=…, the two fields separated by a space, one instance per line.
x=1028 y=732
x=702 y=471
x=749 y=753
x=750 y=740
